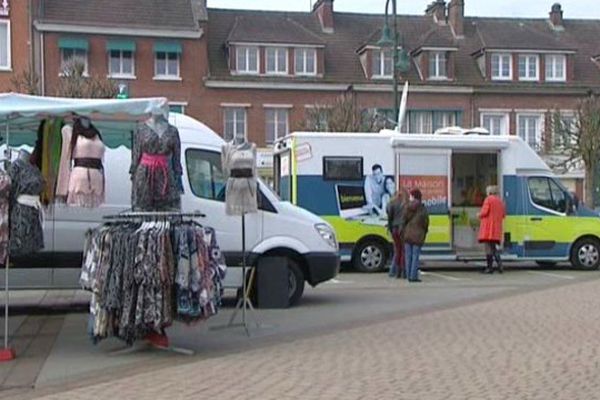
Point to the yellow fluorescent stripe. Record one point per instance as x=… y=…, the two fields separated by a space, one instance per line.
x=352 y=231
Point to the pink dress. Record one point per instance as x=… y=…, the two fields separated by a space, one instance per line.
x=81 y=177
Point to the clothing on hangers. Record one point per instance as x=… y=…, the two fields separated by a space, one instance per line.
x=145 y=275
x=26 y=211
x=5 y=186
x=239 y=166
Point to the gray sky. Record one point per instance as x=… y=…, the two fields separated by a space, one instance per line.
x=490 y=8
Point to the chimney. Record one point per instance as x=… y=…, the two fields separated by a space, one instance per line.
x=456 y=17
x=199 y=10
x=324 y=11
x=556 y=16
x=437 y=10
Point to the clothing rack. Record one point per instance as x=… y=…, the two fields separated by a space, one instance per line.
x=154 y=214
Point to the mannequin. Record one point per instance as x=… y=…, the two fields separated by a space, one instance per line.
x=81 y=173
x=239 y=165
x=24 y=155
x=156 y=165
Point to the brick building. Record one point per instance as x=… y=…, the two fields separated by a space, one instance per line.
x=15 y=41
x=150 y=49
x=254 y=74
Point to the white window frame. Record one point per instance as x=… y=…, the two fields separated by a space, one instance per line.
x=120 y=74
x=527 y=59
x=277 y=135
x=245 y=52
x=380 y=72
x=539 y=124
x=501 y=76
x=303 y=52
x=437 y=55
x=182 y=104
x=63 y=61
x=551 y=62
x=276 y=51
x=168 y=75
x=235 y=133
x=504 y=121
x=7 y=67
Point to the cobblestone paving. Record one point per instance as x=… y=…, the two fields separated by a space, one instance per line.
x=541 y=345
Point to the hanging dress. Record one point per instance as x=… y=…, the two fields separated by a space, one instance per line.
x=239 y=166
x=83 y=183
x=26 y=214
x=156 y=170
x=5 y=185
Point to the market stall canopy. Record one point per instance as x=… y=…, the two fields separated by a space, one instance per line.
x=115 y=118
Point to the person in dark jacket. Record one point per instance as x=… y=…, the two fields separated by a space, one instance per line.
x=416 y=226
x=394 y=211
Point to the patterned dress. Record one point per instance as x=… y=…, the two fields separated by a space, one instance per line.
x=26 y=230
x=4 y=210
x=156 y=188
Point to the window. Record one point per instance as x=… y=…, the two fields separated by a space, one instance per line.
x=277 y=124
x=382 y=63
x=73 y=55
x=121 y=63
x=246 y=60
x=438 y=65
x=495 y=123
x=5 y=45
x=501 y=66
x=556 y=65
x=235 y=123
x=205 y=175
x=166 y=64
x=528 y=67
x=177 y=107
x=563 y=129
x=277 y=60
x=306 y=61
x=430 y=121
x=343 y=168
x=529 y=127
x=546 y=193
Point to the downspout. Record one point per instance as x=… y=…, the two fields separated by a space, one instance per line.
x=31 y=47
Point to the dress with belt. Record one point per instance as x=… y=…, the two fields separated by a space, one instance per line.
x=156 y=170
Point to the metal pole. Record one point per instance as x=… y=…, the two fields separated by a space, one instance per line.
x=394 y=61
x=245 y=300
x=6 y=293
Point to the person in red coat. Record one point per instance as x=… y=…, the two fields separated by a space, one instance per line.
x=490 y=230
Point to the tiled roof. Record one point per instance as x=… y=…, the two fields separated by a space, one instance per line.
x=150 y=14
x=354 y=31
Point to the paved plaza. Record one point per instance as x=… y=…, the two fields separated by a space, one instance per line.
x=523 y=342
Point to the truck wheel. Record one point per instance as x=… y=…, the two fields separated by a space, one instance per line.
x=369 y=256
x=296 y=282
x=586 y=254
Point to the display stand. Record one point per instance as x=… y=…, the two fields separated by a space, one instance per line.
x=159 y=342
x=7 y=353
x=244 y=303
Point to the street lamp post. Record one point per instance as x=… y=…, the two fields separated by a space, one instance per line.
x=400 y=60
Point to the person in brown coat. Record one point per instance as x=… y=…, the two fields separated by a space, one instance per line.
x=395 y=225
x=416 y=226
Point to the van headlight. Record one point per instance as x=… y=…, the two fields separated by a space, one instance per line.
x=327 y=234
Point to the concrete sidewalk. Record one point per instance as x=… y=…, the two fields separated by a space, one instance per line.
x=540 y=345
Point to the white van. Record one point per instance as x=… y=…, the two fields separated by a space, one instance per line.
x=329 y=174
x=279 y=228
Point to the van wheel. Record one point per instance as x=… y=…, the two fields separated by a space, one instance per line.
x=586 y=254
x=296 y=282
x=369 y=256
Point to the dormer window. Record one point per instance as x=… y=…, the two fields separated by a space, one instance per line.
x=556 y=68
x=529 y=67
x=438 y=65
x=501 y=67
x=247 y=59
x=277 y=60
x=305 y=61
x=382 y=63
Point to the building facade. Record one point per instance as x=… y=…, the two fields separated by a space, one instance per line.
x=259 y=75
x=15 y=42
